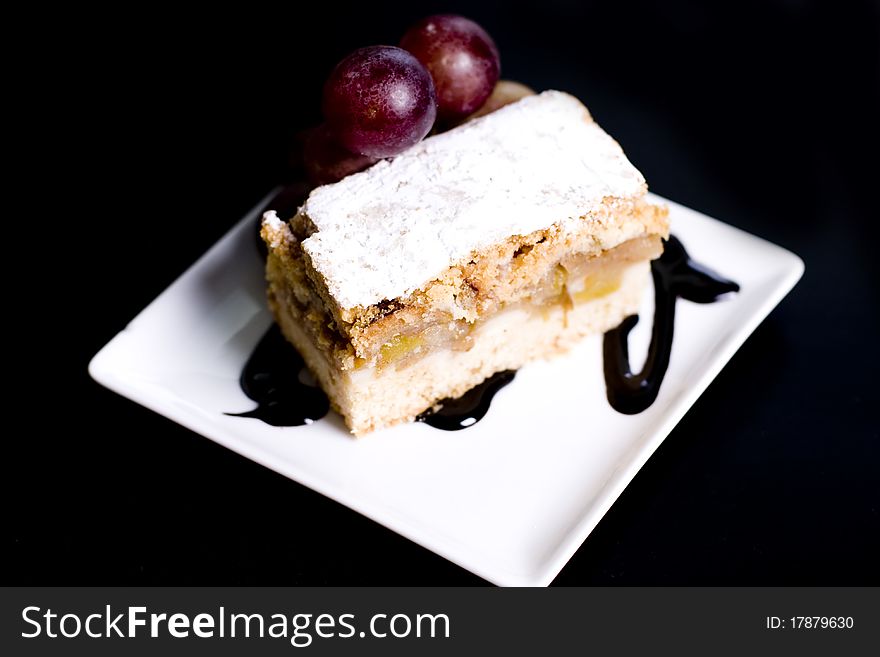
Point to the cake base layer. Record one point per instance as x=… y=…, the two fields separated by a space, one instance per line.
x=371 y=398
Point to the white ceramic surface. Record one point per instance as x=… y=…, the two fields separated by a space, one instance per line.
x=510 y=498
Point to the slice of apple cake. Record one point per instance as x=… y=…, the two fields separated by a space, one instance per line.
x=503 y=240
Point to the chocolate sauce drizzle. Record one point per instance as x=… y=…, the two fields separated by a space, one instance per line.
x=271 y=377
x=467 y=410
x=675 y=275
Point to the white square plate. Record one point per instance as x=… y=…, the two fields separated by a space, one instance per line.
x=510 y=498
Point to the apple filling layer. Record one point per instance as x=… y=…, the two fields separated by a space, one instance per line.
x=401 y=337
x=574 y=280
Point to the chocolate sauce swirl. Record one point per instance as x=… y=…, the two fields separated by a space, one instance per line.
x=271 y=377
x=470 y=408
x=675 y=275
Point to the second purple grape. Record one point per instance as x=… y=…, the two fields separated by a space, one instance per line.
x=462 y=59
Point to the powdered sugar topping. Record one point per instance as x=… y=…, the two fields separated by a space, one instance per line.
x=386 y=232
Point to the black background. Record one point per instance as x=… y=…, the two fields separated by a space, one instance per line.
x=155 y=131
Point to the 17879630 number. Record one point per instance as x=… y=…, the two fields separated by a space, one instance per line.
x=810 y=623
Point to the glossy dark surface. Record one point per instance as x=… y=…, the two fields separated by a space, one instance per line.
x=762 y=114
x=675 y=276
x=273 y=377
x=470 y=408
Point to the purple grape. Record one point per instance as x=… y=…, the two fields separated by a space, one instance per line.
x=379 y=101
x=462 y=60
x=328 y=162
